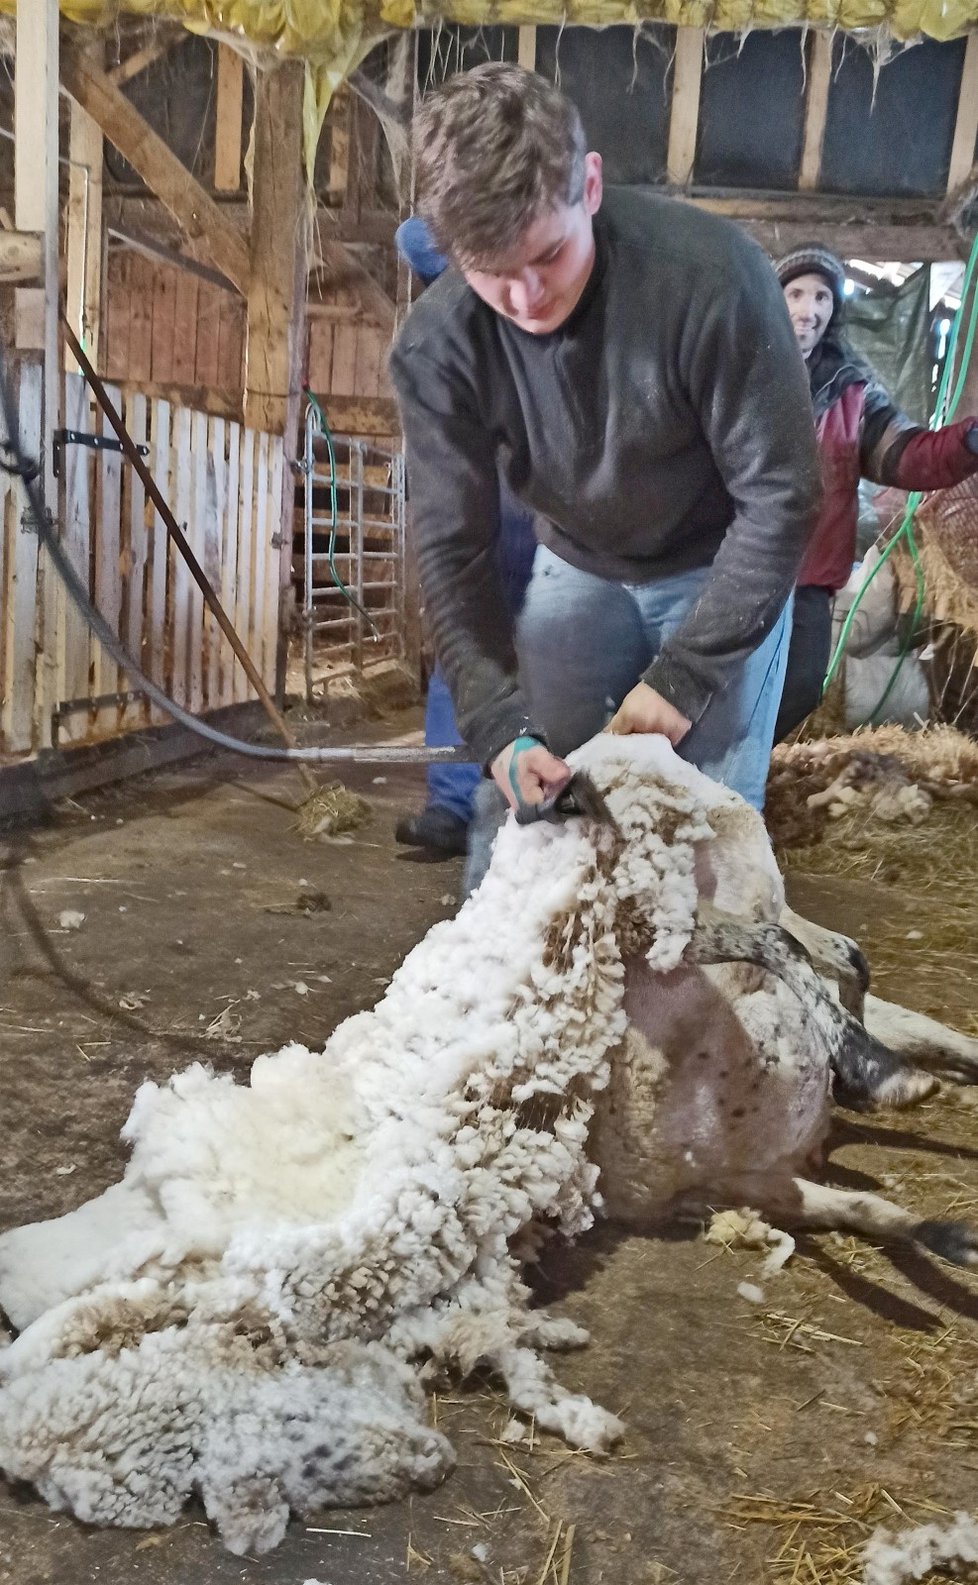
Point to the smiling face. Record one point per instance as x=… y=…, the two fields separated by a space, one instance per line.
x=810 y=304
x=538 y=286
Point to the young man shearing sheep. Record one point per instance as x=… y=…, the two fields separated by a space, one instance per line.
x=628 y=363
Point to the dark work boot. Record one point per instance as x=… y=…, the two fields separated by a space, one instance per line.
x=435 y=827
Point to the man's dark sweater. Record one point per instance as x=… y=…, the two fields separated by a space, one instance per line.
x=665 y=425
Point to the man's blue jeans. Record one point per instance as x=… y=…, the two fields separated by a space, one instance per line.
x=583 y=643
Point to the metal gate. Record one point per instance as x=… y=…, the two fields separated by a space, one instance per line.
x=352 y=552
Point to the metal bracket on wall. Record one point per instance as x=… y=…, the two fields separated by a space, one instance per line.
x=79 y=437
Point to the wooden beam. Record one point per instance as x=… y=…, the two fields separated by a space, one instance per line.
x=227 y=134
x=276 y=301
x=966 y=124
x=685 y=108
x=139 y=60
x=901 y=244
x=819 y=72
x=362 y=415
x=526 y=48
x=84 y=286
x=21 y=256
x=346 y=270
x=212 y=234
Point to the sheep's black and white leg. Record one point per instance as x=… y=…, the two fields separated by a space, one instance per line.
x=816 y=1205
x=867 y=1074
x=923 y=1040
x=834 y=956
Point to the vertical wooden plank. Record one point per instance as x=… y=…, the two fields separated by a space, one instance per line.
x=155 y=633
x=118 y=313
x=214 y=534
x=246 y=532
x=230 y=350
x=164 y=318
x=966 y=122
x=339 y=147
x=685 y=109
x=256 y=616
x=196 y=531
x=142 y=278
x=526 y=48
x=180 y=582
x=227 y=131
x=76 y=461
x=343 y=377
x=229 y=560
x=273 y=526
x=108 y=577
x=21 y=616
x=208 y=334
x=84 y=224
x=816 y=109
x=136 y=626
x=185 y=328
x=320 y=356
x=371 y=345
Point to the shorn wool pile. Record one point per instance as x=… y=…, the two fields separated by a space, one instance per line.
x=251 y=1314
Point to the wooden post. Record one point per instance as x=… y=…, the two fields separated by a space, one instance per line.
x=85 y=228
x=227 y=135
x=685 y=110
x=36 y=191
x=276 y=330
x=816 y=109
x=36 y=308
x=966 y=124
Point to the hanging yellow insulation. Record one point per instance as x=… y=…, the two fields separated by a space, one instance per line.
x=334 y=34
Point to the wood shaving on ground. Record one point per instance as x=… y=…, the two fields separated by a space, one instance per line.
x=745 y=1229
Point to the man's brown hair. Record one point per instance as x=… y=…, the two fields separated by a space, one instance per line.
x=495 y=148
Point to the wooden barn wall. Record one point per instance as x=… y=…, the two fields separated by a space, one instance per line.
x=164 y=326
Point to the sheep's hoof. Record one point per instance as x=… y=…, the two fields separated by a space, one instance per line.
x=893 y=1091
x=953 y=1241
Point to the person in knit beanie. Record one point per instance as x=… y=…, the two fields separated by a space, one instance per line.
x=861 y=434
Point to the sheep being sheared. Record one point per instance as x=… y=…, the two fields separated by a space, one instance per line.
x=250 y=1313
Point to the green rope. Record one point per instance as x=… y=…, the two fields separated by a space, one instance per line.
x=944 y=409
x=347 y=594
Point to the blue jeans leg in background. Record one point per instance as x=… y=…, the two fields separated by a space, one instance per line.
x=583 y=643
x=449 y=786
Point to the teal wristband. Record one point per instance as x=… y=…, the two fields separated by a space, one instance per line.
x=520 y=746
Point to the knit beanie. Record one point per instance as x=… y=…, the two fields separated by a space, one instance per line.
x=814 y=260
x=414 y=243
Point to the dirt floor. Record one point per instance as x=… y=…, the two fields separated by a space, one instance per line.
x=765 y=1440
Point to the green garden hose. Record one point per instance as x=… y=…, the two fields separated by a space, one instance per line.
x=347 y=594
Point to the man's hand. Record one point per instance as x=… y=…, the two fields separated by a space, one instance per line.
x=527 y=773
x=644 y=710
